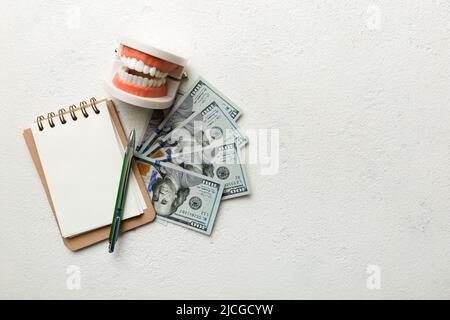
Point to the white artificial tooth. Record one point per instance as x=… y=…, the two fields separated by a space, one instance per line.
x=132 y=63
x=158 y=83
x=139 y=66
x=164 y=80
x=135 y=79
x=150 y=82
x=121 y=75
x=157 y=74
x=124 y=60
x=141 y=81
x=152 y=71
x=127 y=77
x=146 y=69
x=145 y=82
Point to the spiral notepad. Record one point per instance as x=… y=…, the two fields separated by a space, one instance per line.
x=81 y=156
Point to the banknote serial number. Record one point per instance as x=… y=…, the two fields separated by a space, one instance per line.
x=226 y=310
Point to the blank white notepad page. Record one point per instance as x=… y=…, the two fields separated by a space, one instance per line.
x=82 y=163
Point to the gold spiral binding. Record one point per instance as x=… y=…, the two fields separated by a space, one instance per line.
x=61 y=113
x=94 y=105
x=83 y=105
x=39 y=122
x=72 y=110
x=50 y=119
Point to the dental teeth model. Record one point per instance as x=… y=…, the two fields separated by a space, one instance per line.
x=145 y=76
x=142 y=74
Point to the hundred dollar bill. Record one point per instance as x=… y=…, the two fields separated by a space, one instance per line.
x=197 y=97
x=182 y=197
x=205 y=93
x=221 y=162
x=207 y=127
x=154 y=120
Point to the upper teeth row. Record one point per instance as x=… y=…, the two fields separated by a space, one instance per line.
x=140 y=66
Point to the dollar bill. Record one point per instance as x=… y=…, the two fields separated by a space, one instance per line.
x=154 y=120
x=207 y=127
x=197 y=97
x=205 y=93
x=182 y=197
x=221 y=162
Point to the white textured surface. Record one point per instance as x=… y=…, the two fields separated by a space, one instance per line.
x=360 y=93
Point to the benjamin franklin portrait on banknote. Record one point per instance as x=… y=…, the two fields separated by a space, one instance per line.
x=171 y=190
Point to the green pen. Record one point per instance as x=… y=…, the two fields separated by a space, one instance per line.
x=122 y=192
